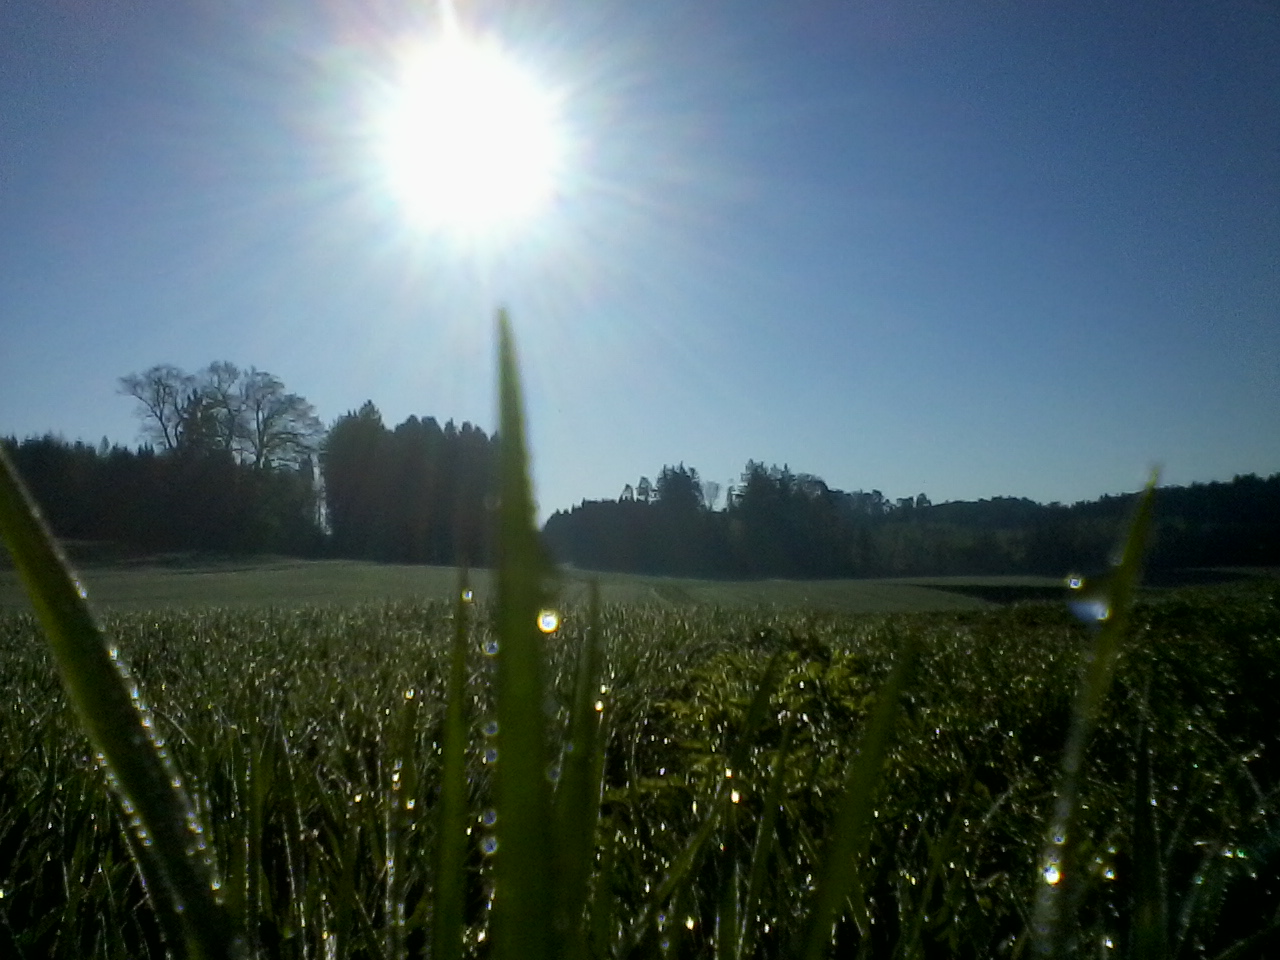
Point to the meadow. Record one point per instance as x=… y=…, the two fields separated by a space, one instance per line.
x=193 y=582
x=310 y=737
x=536 y=766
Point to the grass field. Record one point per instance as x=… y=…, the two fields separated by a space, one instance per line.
x=284 y=720
x=192 y=582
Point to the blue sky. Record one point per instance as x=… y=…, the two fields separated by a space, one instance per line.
x=963 y=249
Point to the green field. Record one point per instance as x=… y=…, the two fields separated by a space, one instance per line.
x=280 y=690
x=196 y=582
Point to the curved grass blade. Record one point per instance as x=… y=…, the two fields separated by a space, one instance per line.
x=577 y=804
x=451 y=824
x=523 y=925
x=1055 y=906
x=103 y=697
x=851 y=835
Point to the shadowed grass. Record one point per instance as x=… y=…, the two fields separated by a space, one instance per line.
x=162 y=827
x=846 y=849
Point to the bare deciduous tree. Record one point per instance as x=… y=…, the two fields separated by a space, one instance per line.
x=247 y=413
x=280 y=427
x=163 y=391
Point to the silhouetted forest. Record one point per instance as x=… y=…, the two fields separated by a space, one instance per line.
x=146 y=500
x=417 y=494
x=238 y=464
x=776 y=523
x=420 y=493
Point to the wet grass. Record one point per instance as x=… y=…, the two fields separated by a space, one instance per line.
x=319 y=780
x=199 y=583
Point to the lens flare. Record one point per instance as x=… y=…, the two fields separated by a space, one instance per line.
x=469 y=141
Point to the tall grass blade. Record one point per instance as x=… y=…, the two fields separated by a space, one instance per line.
x=523 y=926
x=1063 y=885
x=451 y=822
x=601 y=922
x=851 y=834
x=1150 y=925
x=103 y=697
x=577 y=804
x=766 y=836
x=727 y=933
x=683 y=869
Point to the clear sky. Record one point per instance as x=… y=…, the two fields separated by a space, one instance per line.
x=966 y=249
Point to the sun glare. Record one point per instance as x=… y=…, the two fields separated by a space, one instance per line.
x=470 y=142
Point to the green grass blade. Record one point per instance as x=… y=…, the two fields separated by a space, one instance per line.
x=851 y=834
x=451 y=823
x=577 y=806
x=684 y=867
x=727 y=937
x=1252 y=946
x=601 y=921
x=1150 y=925
x=766 y=835
x=102 y=695
x=1053 y=931
x=523 y=926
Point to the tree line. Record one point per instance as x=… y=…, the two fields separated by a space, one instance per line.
x=235 y=462
x=146 y=500
x=776 y=523
x=418 y=493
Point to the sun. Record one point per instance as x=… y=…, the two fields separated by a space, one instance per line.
x=469 y=141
